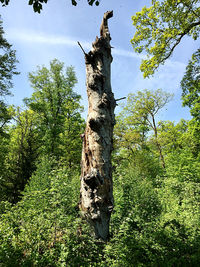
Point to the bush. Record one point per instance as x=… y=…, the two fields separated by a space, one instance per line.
x=155 y=221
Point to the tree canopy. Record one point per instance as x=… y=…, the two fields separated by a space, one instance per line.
x=7 y=63
x=190 y=85
x=22 y=152
x=58 y=110
x=161 y=27
x=7 y=70
x=38 y=4
x=139 y=117
x=50 y=127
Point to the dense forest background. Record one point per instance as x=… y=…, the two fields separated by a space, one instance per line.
x=156 y=166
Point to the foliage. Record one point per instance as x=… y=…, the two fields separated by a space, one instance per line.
x=156 y=223
x=155 y=220
x=170 y=135
x=144 y=106
x=7 y=70
x=161 y=27
x=190 y=85
x=22 y=153
x=138 y=118
x=4 y=148
x=52 y=126
x=137 y=208
x=7 y=64
x=58 y=109
x=44 y=228
x=183 y=136
x=38 y=4
x=6 y=114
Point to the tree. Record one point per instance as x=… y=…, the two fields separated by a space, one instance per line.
x=161 y=27
x=170 y=135
x=190 y=85
x=6 y=113
x=4 y=149
x=180 y=137
x=37 y=4
x=130 y=134
x=22 y=153
x=70 y=141
x=140 y=113
x=7 y=70
x=58 y=109
x=96 y=200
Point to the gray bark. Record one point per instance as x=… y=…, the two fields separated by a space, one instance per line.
x=96 y=193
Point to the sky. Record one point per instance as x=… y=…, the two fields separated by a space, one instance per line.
x=40 y=38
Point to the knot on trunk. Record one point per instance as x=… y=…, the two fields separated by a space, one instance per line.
x=105 y=102
x=96 y=122
x=93 y=179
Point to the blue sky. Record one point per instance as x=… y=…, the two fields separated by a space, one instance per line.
x=39 y=38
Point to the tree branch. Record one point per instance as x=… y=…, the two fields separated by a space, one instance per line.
x=186 y=31
x=120 y=99
x=81 y=48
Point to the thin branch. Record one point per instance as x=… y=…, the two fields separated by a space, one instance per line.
x=185 y=32
x=120 y=99
x=191 y=9
x=81 y=47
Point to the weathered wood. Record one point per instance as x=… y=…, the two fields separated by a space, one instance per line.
x=96 y=193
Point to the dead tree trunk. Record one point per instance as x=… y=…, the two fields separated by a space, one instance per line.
x=96 y=193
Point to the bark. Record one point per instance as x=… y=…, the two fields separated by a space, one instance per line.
x=96 y=193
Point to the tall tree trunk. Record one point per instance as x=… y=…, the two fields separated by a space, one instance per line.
x=96 y=193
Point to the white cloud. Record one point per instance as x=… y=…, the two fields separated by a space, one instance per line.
x=39 y=38
x=33 y=37
x=168 y=77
